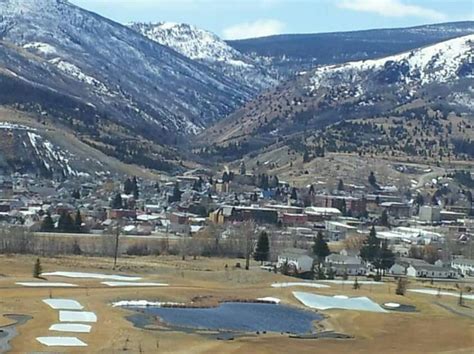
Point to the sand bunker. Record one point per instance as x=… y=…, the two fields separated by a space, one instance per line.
x=38 y=284
x=306 y=284
x=321 y=302
x=63 y=304
x=442 y=293
x=123 y=284
x=70 y=327
x=77 y=316
x=61 y=341
x=81 y=275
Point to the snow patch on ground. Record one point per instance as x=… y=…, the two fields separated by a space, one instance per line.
x=61 y=341
x=274 y=300
x=46 y=284
x=70 y=327
x=145 y=303
x=392 y=305
x=82 y=275
x=63 y=304
x=77 y=316
x=123 y=284
x=309 y=285
x=361 y=282
x=321 y=302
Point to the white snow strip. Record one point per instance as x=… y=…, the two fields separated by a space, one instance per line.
x=443 y=293
x=309 y=285
x=144 y=303
x=123 y=284
x=274 y=300
x=321 y=302
x=392 y=305
x=92 y=276
x=363 y=282
x=63 y=304
x=46 y=284
x=71 y=327
x=77 y=316
x=61 y=341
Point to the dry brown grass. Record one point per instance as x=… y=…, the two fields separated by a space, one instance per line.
x=432 y=329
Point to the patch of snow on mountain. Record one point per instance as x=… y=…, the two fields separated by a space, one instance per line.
x=192 y=42
x=74 y=71
x=43 y=48
x=435 y=63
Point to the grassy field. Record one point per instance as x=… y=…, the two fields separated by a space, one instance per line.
x=433 y=329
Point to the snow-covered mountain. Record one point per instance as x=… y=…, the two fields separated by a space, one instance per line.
x=438 y=77
x=207 y=48
x=439 y=63
x=291 y=53
x=135 y=81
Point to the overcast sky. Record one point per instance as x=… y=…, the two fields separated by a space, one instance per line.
x=254 y=18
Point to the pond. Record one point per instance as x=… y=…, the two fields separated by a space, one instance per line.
x=241 y=317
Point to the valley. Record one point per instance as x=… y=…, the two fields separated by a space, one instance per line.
x=247 y=189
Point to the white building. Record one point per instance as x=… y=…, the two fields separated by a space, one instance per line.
x=430 y=271
x=464 y=265
x=296 y=259
x=397 y=269
x=430 y=214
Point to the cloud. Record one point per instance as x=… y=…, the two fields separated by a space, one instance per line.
x=259 y=28
x=391 y=8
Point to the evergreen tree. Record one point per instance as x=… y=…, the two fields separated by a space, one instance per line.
x=176 y=196
x=372 y=179
x=66 y=223
x=320 y=248
x=135 y=189
x=340 y=185
x=344 y=207
x=242 y=169
x=78 y=221
x=76 y=249
x=262 y=251
x=384 y=219
x=48 y=224
x=128 y=186
x=117 y=202
x=306 y=156
x=76 y=194
x=370 y=250
x=294 y=195
x=37 y=269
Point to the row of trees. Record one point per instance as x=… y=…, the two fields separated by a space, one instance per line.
x=66 y=223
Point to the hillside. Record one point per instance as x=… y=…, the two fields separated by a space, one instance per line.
x=74 y=66
x=437 y=78
x=207 y=48
x=47 y=150
x=292 y=53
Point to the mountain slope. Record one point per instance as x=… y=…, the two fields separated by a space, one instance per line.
x=296 y=52
x=135 y=81
x=206 y=47
x=438 y=76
